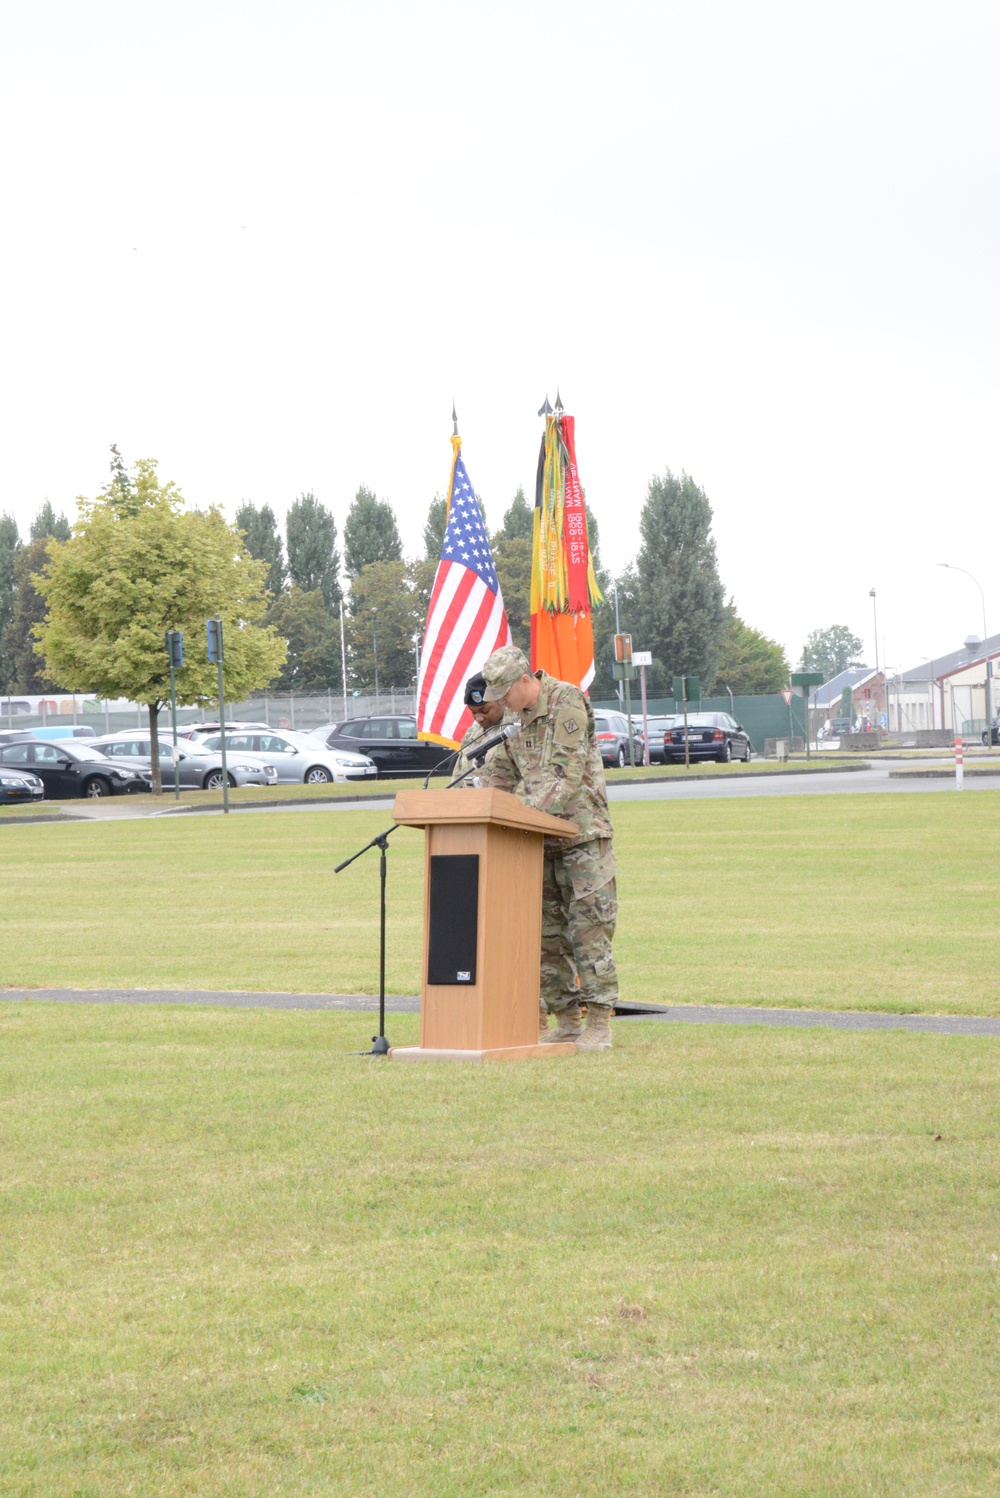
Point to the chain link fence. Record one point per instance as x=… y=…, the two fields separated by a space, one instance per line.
x=300 y=712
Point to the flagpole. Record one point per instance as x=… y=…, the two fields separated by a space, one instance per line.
x=456 y=444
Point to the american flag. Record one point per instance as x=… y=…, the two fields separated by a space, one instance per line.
x=465 y=620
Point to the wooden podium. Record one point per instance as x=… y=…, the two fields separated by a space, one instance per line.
x=482 y=925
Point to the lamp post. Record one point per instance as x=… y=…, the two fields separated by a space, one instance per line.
x=985 y=647
x=871 y=595
x=375 y=646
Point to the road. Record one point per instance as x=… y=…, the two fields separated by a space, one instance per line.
x=825 y=783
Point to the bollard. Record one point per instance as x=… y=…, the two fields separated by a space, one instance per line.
x=958 y=764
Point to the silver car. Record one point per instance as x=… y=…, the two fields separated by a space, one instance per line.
x=199 y=769
x=298 y=758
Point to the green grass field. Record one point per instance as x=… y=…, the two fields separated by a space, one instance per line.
x=238 y=1261
x=878 y=902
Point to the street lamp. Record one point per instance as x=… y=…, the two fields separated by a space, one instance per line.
x=375 y=647
x=986 y=649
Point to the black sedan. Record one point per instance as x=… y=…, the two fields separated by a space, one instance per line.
x=709 y=736
x=19 y=785
x=390 y=741
x=73 y=769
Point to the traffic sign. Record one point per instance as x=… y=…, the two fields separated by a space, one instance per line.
x=786 y=692
x=642 y=657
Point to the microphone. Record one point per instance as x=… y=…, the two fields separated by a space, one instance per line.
x=480 y=751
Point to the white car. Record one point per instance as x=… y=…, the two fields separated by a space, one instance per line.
x=297 y=758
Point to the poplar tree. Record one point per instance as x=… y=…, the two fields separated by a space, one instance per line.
x=681 y=603
x=262 y=540
x=370 y=533
x=313 y=558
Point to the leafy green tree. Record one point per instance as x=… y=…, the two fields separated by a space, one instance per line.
x=313 y=559
x=28 y=611
x=437 y=519
x=312 y=636
x=749 y=663
x=388 y=611
x=48 y=523
x=10 y=548
x=831 y=651
x=370 y=533
x=847 y=703
x=519 y=519
x=138 y=565
x=262 y=540
x=682 y=612
x=512 y=559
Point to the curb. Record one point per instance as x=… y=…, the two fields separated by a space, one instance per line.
x=938 y=774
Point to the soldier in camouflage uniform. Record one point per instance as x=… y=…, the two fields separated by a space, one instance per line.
x=486 y=719
x=554 y=764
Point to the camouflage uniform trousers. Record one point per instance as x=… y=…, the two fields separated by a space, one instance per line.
x=579 y=911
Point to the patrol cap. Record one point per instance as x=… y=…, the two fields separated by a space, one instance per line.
x=475 y=690
x=504 y=667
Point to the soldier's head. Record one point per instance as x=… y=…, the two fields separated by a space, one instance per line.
x=486 y=714
x=509 y=681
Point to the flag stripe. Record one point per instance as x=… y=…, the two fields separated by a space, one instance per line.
x=465 y=616
x=476 y=628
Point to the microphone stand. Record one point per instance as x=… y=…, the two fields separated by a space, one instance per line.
x=380 y=1045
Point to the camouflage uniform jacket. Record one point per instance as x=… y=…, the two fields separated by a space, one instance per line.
x=473 y=735
x=554 y=763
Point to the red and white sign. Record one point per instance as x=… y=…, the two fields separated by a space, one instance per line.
x=786 y=692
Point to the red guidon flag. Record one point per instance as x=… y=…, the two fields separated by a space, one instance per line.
x=563 y=585
x=466 y=620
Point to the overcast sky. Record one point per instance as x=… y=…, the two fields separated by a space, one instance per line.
x=268 y=243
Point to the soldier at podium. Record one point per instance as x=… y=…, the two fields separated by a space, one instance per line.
x=555 y=766
x=486 y=716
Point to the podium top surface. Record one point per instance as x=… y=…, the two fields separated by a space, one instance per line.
x=476 y=804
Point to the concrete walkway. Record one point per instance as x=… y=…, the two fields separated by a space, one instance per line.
x=692 y=1014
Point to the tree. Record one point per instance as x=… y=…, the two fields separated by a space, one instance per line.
x=370 y=533
x=263 y=541
x=137 y=565
x=10 y=547
x=28 y=611
x=512 y=559
x=48 y=523
x=831 y=651
x=388 y=610
x=437 y=519
x=313 y=559
x=312 y=636
x=682 y=612
x=750 y=663
x=519 y=519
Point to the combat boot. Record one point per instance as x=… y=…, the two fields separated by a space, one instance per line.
x=569 y=1026
x=597 y=1036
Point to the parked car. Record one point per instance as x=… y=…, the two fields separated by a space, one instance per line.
x=296 y=757
x=611 y=732
x=202 y=730
x=710 y=736
x=390 y=741
x=74 y=769
x=655 y=729
x=199 y=768
x=53 y=731
x=19 y=785
x=993 y=736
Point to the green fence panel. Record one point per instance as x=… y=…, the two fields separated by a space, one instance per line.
x=766 y=717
